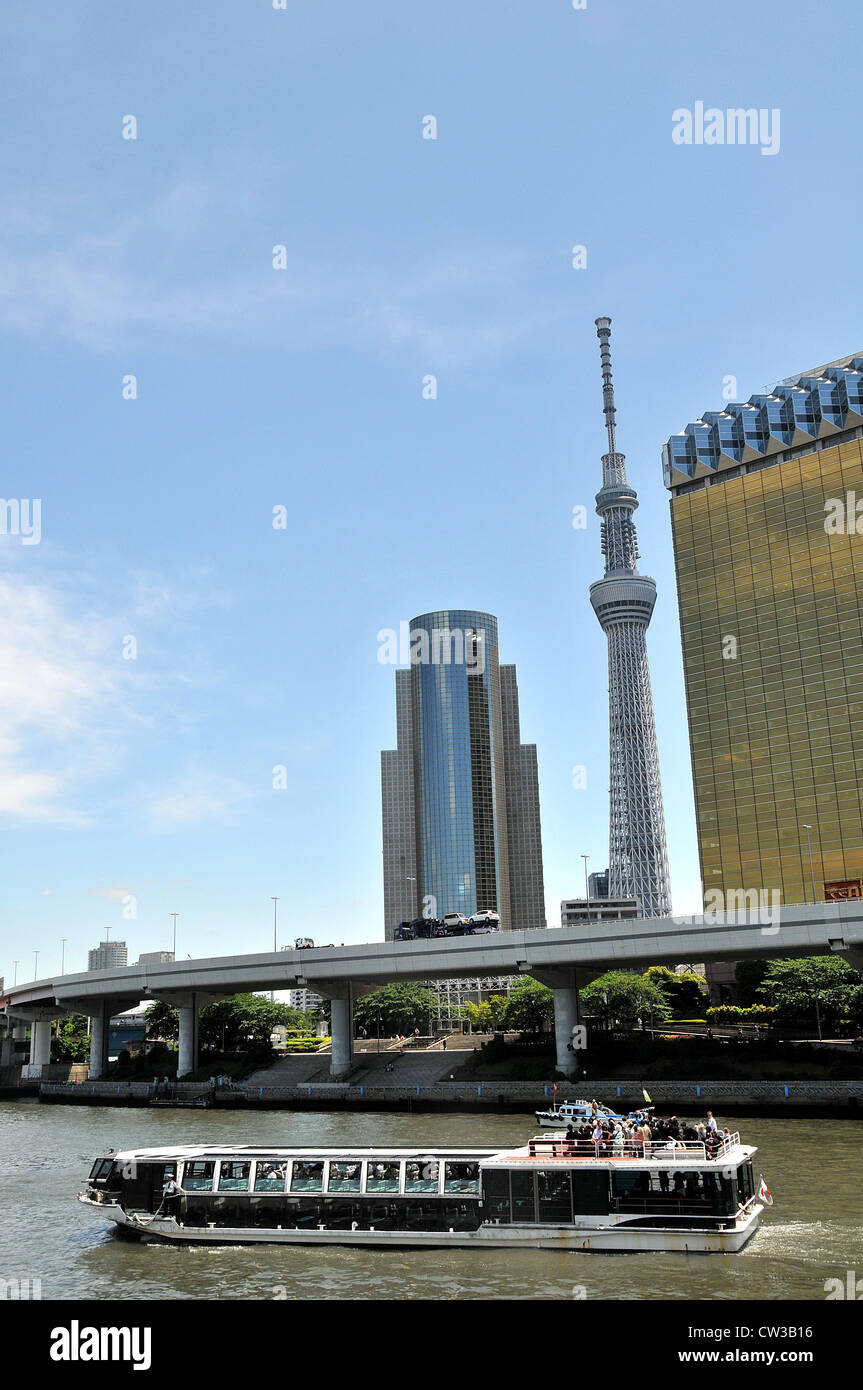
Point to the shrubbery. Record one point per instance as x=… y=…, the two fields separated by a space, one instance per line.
x=736 y=1013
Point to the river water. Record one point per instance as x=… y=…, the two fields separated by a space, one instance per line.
x=813 y=1233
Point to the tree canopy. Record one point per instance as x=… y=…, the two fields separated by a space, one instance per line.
x=627 y=998
x=397 y=1008
x=686 y=993
x=530 y=1006
x=792 y=985
x=230 y=1024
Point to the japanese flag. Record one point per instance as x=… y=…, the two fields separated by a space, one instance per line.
x=764 y=1193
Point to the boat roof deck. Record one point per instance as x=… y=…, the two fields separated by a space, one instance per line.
x=692 y=1154
x=543 y=1149
x=265 y=1151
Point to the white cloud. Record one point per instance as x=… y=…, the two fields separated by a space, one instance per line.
x=72 y=711
x=197 y=797
x=56 y=687
x=157 y=270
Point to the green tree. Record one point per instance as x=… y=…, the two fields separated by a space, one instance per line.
x=749 y=976
x=229 y=1025
x=72 y=1043
x=479 y=1016
x=163 y=1020
x=245 y=1019
x=685 y=994
x=795 y=986
x=530 y=1007
x=399 y=1008
x=624 y=999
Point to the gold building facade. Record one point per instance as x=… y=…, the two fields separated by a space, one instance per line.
x=770 y=589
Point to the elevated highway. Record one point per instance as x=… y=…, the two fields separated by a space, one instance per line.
x=556 y=957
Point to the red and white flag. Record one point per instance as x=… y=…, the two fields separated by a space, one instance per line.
x=764 y=1193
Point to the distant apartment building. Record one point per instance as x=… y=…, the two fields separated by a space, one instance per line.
x=304 y=999
x=597 y=884
x=108 y=955
x=576 y=912
x=460 y=792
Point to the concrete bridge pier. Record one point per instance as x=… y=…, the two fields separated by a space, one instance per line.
x=342 y=1029
x=40 y=1043
x=566 y=1016
x=187 y=1057
x=99 y=1022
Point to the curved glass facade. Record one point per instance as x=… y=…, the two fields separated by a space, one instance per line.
x=458 y=762
x=460 y=793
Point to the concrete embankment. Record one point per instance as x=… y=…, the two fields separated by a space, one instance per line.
x=837 y=1098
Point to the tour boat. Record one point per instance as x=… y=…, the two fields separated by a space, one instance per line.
x=575 y=1112
x=551 y=1193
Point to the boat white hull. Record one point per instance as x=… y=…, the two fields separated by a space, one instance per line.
x=504 y=1237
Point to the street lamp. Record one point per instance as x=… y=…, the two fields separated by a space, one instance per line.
x=818 y=1014
x=174 y=916
x=807 y=828
x=275 y=940
x=585 y=857
x=35 y=964
x=16 y=963
x=63 y=940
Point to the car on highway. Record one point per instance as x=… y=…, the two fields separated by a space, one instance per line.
x=482 y=922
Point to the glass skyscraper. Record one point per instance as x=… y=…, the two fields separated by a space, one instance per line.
x=461 y=829
x=770 y=575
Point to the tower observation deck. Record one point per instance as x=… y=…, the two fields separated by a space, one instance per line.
x=623 y=601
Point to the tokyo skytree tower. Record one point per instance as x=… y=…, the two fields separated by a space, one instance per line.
x=623 y=602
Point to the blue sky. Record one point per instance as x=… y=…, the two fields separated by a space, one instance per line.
x=151 y=779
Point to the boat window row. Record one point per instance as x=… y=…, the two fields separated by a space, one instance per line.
x=367 y=1176
x=432 y=1213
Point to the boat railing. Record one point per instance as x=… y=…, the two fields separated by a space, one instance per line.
x=669 y=1151
x=659 y=1151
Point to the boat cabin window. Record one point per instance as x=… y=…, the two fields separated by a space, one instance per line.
x=234 y=1176
x=461 y=1177
x=101 y=1169
x=691 y=1192
x=198 y=1176
x=423 y=1176
x=270 y=1177
x=383 y=1177
x=745 y=1183
x=307 y=1177
x=495 y=1193
x=520 y=1197
x=554 y=1198
x=345 y=1177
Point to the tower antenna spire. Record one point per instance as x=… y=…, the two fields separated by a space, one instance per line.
x=623 y=602
x=603 y=333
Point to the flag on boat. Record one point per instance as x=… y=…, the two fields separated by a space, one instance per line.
x=764 y=1192
x=647 y=1099
x=555 y=1088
